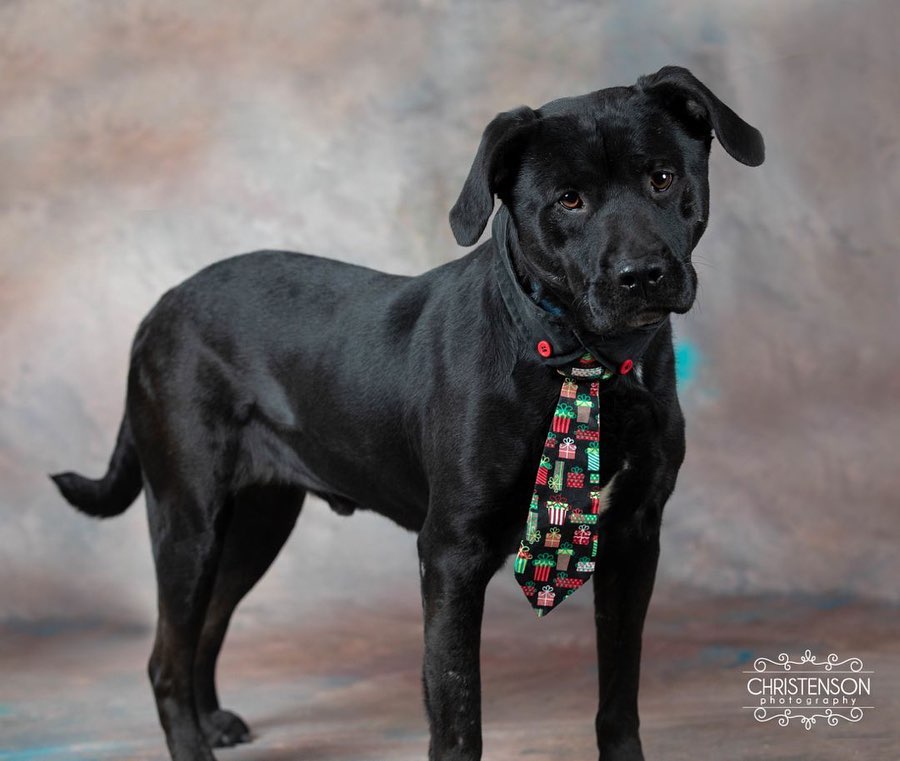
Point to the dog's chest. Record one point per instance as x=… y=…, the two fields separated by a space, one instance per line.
x=518 y=442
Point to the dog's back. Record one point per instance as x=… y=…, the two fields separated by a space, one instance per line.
x=256 y=359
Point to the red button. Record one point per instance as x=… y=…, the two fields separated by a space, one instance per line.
x=544 y=349
x=625 y=367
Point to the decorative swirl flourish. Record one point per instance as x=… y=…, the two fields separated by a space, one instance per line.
x=807 y=659
x=831 y=717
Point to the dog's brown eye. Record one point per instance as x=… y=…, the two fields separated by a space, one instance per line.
x=571 y=200
x=661 y=180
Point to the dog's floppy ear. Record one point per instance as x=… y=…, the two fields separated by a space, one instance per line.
x=490 y=169
x=672 y=83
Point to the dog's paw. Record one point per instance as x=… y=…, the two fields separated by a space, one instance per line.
x=223 y=729
x=628 y=749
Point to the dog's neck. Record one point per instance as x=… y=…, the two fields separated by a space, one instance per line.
x=551 y=334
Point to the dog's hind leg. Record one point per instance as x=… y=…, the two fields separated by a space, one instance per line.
x=187 y=535
x=261 y=521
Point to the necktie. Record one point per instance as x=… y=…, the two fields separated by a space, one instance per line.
x=557 y=554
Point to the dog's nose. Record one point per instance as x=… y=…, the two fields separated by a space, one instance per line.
x=646 y=273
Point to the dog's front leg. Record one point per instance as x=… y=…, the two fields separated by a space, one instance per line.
x=623 y=583
x=455 y=567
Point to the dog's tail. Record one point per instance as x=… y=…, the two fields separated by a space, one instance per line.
x=112 y=494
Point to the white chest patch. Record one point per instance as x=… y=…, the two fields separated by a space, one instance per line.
x=606 y=491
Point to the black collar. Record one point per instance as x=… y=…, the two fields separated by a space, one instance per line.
x=553 y=339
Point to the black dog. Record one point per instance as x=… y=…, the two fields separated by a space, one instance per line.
x=243 y=377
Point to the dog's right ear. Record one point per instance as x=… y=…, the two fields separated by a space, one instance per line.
x=490 y=169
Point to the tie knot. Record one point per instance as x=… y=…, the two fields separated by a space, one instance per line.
x=587 y=368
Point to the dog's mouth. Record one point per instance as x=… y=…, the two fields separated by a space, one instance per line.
x=646 y=319
x=601 y=322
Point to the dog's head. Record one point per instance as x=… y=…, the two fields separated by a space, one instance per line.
x=608 y=194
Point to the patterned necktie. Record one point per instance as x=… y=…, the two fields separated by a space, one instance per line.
x=557 y=554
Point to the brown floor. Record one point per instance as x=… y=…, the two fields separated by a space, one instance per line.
x=346 y=687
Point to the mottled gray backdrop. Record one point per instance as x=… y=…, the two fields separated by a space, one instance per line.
x=140 y=141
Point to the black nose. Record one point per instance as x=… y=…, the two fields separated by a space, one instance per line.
x=646 y=273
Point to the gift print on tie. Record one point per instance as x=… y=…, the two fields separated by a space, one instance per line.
x=575 y=477
x=543 y=471
x=584 y=433
x=563 y=556
x=556 y=511
x=531 y=527
x=546 y=597
x=582 y=535
x=564 y=511
x=593 y=455
x=556 y=480
x=583 y=406
x=564 y=582
x=563 y=417
x=522 y=558
x=542 y=565
x=578 y=518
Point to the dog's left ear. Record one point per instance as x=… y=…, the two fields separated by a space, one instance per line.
x=490 y=169
x=742 y=141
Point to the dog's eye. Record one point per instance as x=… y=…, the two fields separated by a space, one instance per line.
x=571 y=200
x=661 y=180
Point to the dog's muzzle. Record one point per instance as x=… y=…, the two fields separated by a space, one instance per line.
x=640 y=291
